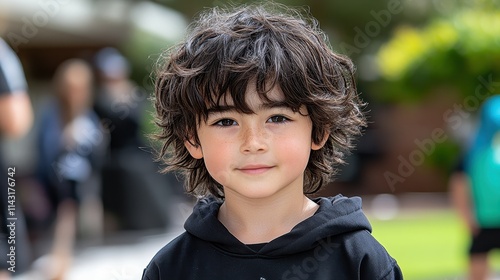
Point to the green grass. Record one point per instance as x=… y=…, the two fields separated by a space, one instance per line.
x=427 y=245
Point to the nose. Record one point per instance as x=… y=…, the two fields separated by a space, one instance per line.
x=254 y=140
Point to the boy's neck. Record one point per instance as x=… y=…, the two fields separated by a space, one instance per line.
x=254 y=221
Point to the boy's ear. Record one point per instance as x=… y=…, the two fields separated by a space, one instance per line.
x=193 y=149
x=317 y=146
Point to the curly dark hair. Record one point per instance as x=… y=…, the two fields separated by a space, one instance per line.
x=269 y=45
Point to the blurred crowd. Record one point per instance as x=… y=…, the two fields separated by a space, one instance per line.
x=94 y=173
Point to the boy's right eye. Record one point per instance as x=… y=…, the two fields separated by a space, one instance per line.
x=225 y=122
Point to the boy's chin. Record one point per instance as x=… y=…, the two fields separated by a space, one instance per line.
x=251 y=193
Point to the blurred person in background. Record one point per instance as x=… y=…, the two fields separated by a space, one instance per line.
x=119 y=102
x=131 y=196
x=475 y=189
x=16 y=118
x=71 y=146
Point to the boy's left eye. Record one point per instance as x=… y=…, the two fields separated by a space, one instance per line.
x=225 y=122
x=278 y=119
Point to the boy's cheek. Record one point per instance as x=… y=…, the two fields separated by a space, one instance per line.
x=218 y=165
x=301 y=151
x=221 y=176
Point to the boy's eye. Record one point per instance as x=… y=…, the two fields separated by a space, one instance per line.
x=278 y=119
x=226 y=122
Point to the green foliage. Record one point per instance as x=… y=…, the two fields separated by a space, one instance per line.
x=143 y=50
x=458 y=51
x=452 y=51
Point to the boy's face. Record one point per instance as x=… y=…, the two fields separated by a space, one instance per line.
x=256 y=155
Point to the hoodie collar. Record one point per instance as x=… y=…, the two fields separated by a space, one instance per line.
x=335 y=216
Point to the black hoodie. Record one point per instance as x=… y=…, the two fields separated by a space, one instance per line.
x=335 y=243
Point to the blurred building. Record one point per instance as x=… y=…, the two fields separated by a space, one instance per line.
x=44 y=33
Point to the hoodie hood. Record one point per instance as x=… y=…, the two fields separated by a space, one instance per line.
x=336 y=216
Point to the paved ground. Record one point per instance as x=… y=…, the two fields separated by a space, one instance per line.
x=121 y=256
x=122 y=261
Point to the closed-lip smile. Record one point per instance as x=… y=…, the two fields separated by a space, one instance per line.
x=254 y=168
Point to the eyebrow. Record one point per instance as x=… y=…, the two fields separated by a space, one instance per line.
x=230 y=108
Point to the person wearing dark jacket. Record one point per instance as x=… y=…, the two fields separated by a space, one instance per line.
x=255 y=110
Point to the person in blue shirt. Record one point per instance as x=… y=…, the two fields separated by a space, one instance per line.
x=475 y=189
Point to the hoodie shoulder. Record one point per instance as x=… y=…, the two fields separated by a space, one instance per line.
x=369 y=257
x=166 y=261
x=186 y=255
x=340 y=221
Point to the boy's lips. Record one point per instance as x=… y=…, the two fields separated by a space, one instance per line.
x=255 y=168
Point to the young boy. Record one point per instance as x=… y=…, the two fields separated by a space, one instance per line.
x=255 y=110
